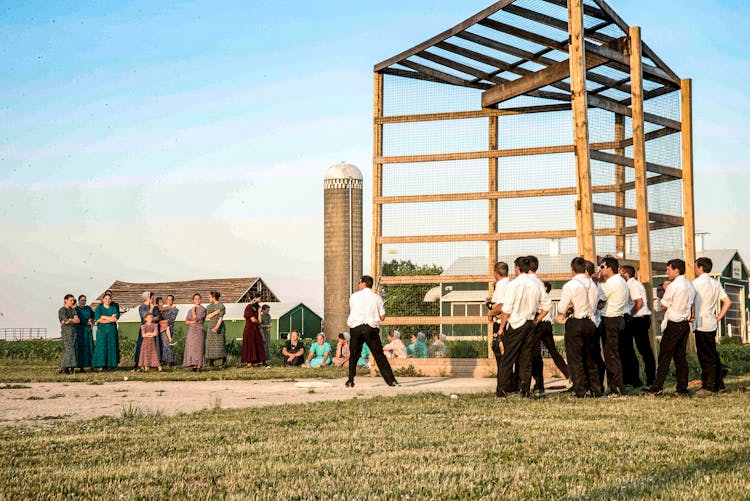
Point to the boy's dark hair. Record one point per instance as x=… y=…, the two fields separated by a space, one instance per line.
x=678 y=264
x=501 y=268
x=611 y=262
x=367 y=280
x=704 y=263
x=68 y=296
x=578 y=264
x=170 y=295
x=159 y=299
x=533 y=263
x=628 y=269
x=547 y=287
x=265 y=307
x=589 y=267
x=216 y=295
x=523 y=264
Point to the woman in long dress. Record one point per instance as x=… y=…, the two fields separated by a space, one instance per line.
x=253 y=348
x=195 y=338
x=107 y=349
x=215 y=331
x=68 y=320
x=167 y=316
x=84 y=334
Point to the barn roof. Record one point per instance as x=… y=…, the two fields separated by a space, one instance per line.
x=233 y=290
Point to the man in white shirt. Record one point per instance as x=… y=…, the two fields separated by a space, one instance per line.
x=616 y=293
x=600 y=333
x=581 y=295
x=366 y=311
x=678 y=299
x=543 y=334
x=637 y=327
x=708 y=294
x=495 y=305
x=522 y=301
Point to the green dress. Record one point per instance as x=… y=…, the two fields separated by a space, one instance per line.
x=68 y=336
x=417 y=350
x=107 y=349
x=215 y=341
x=319 y=352
x=84 y=336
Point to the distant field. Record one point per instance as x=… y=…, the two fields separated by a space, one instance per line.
x=420 y=447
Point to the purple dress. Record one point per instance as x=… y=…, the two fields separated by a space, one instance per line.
x=195 y=340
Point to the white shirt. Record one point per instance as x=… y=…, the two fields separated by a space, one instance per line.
x=708 y=293
x=678 y=298
x=545 y=298
x=498 y=296
x=616 y=291
x=637 y=291
x=578 y=293
x=365 y=307
x=523 y=299
x=599 y=297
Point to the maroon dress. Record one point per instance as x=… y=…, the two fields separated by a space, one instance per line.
x=253 y=346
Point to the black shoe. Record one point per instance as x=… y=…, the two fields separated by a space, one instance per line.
x=653 y=390
x=349 y=384
x=501 y=394
x=394 y=383
x=683 y=394
x=538 y=392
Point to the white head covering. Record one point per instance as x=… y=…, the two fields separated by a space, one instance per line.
x=347 y=336
x=146 y=295
x=396 y=334
x=421 y=336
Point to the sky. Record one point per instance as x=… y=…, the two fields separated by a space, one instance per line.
x=150 y=141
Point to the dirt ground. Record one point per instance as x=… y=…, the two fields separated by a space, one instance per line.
x=35 y=402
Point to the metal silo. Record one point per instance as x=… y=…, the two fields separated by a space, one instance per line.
x=342 y=195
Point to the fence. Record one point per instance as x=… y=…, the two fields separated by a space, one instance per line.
x=22 y=333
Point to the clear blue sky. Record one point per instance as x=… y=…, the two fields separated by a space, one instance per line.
x=132 y=121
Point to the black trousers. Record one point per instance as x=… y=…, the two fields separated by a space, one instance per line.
x=674 y=346
x=543 y=334
x=496 y=341
x=709 y=360
x=517 y=343
x=366 y=334
x=600 y=336
x=613 y=327
x=631 y=368
x=637 y=330
x=296 y=361
x=581 y=343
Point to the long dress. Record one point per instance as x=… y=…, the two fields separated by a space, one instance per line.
x=195 y=339
x=149 y=356
x=84 y=337
x=107 y=349
x=320 y=350
x=68 y=336
x=215 y=341
x=142 y=310
x=253 y=348
x=167 y=353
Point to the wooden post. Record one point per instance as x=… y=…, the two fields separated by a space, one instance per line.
x=641 y=178
x=492 y=211
x=377 y=178
x=686 y=86
x=585 y=228
x=619 y=182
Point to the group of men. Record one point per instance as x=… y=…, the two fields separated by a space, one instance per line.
x=605 y=313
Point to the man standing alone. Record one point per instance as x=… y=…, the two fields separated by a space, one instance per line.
x=708 y=294
x=366 y=311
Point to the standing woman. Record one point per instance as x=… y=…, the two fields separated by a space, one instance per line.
x=195 y=338
x=167 y=316
x=215 y=331
x=253 y=349
x=68 y=320
x=84 y=335
x=146 y=307
x=107 y=349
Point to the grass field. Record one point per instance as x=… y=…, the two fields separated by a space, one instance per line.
x=424 y=446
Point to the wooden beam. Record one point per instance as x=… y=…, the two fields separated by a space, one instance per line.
x=376 y=255
x=463 y=68
x=587 y=9
x=483 y=113
x=651 y=167
x=525 y=35
x=473 y=155
x=445 y=35
x=492 y=227
x=557 y=23
x=616 y=107
x=652 y=72
x=585 y=228
x=620 y=181
x=434 y=279
x=549 y=75
x=687 y=177
x=488 y=237
x=633 y=214
x=506 y=48
x=434 y=321
x=440 y=75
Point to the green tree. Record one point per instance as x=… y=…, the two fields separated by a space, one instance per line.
x=407 y=300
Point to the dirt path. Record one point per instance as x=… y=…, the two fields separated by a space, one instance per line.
x=35 y=402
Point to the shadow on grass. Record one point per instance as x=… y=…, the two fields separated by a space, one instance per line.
x=659 y=482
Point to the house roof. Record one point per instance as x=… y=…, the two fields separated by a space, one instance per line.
x=235 y=311
x=515 y=39
x=233 y=290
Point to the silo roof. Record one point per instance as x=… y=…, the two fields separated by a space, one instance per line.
x=343 y=170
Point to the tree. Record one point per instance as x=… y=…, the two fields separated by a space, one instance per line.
x=407 y=300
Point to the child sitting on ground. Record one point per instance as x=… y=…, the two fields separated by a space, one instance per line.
x=149 y=356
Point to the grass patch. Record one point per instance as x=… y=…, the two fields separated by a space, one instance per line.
x=471 y=448
x=14 y=387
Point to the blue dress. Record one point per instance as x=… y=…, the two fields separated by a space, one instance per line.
x=319 y=352
x=84 y=337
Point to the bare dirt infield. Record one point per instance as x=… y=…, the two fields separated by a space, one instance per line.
x=33 y=402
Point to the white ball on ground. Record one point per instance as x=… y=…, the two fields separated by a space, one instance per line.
x=454 y=397
x=125 y=378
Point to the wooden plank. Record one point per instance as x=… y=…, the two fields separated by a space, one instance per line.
x=633 y=214
x=477 y=56
x=482 y=113
x=433 y=321
x=620 y=181
x=505 y=48
x=440 y=75
x=584 y=230
x=463 y=68
x=616 y=107
x=445 y=35
x=434 y=279
x=525 y=35
x=412 y=74
x=651 y=167
x=610 y=12
x=687 y=176
x=557 y=23
x=549 y=75
x=377 y=179
x=492 y=227
x=476 y=237
x=639 y=161
x=587 y=9
x=652 y=72
x=473 y=155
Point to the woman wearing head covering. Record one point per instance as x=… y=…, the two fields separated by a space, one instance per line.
x=342 y=350
x=68 y=320
x=215 y=331
x=146 y=307
x=320 y=352
x=417 y=348
x=84 y=336
x=395 y=347
x=107 y=349
x=166 y=318
x=438 y=348
x=253 y=350
x=196 y=335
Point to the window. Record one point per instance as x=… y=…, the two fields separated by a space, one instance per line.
x=468 y=309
